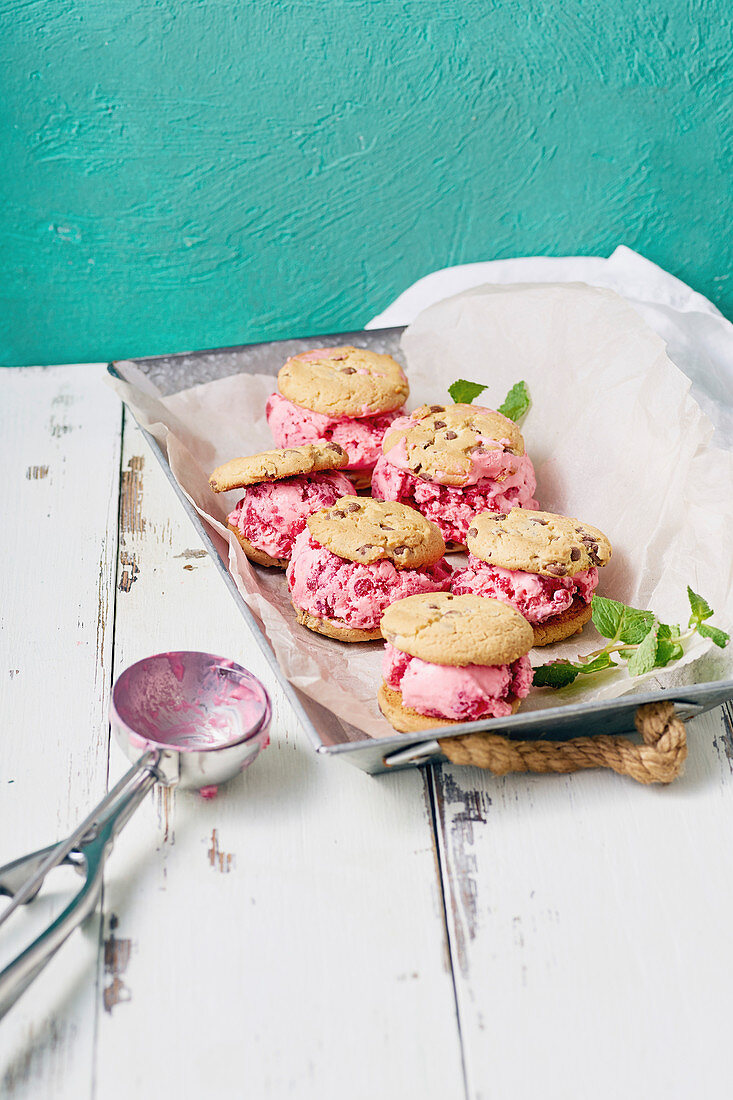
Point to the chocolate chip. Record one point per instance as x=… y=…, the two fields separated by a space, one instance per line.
x=386 y=527
x=478 y=450
x=575 y=553
x=363 y=549
x=335 y=447
x=348 y=370
x=500 y=515
x=595 y=560
x=354 y=508
x=437 y=408
x=450 y=435
x=472 y=532
x=338 y=514
x=439 y=424
x=533 y=519
x=556 y=569
x=400 y=549
x=418 y=468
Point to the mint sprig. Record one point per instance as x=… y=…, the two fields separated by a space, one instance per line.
x=514 y=406
x=637 y=637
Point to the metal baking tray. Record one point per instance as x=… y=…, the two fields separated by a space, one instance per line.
x=330 y=735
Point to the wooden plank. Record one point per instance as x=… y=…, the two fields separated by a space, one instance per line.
x=286 y=938
x=590 y=923
x=60 y=455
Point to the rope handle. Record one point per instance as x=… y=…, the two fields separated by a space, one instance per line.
x=658 y=760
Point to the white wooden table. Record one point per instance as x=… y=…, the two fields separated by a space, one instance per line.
x=313 y=931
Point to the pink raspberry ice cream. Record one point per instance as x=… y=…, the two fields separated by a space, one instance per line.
x=272 y=513
x=461 y=694
x=500 y=481
x=361 y=437
x=329 y=587
x=536 y=597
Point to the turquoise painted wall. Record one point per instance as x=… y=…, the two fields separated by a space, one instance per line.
x=192 y=173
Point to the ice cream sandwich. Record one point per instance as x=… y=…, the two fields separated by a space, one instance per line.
x=452 y=461
x=544 y=565
x=357 y=557
x=281 y=489
x=345 y=394
x=452 y=659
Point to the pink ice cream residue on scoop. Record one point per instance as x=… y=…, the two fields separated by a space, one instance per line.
x=272 y=513
x=361 y=437
x=536 y=597
x=329 y=587
x=461 y=694
x=453 y=507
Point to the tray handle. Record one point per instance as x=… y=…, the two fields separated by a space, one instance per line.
x=658 y=760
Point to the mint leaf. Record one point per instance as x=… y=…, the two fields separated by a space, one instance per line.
x=667 y=651
x=719 y=637
x=643 y=660
x=557 y=674
x=701 y=609
x=516 y=403
x=668 y=648
x=621 y=623
x=603 y=660
x=635 y=626
x=607 y=616
x=463 y=392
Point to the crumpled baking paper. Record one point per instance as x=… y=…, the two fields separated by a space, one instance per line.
x=616 y=438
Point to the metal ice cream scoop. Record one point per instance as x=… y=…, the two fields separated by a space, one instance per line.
x=187 y=719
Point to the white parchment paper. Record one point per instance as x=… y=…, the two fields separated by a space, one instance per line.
x=616 y=438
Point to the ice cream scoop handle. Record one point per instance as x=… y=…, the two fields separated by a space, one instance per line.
x=86 y=849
